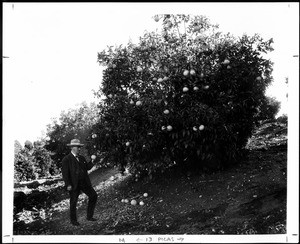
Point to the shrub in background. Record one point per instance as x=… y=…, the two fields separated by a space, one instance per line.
x=74 y=123
x=32 y=162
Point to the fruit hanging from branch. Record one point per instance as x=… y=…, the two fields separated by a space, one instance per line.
x=185 y=89
x=226 y=61
x=169 y=128
x=201 y=127
x=186 y=72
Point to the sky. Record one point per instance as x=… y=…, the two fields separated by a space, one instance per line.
x=52 y=56
x=52 y=49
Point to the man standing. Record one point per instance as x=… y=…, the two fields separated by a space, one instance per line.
x=74 y=171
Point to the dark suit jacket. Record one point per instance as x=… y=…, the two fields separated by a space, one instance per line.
x=70 y=170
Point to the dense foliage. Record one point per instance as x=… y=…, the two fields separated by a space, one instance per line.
x=189 y=94
x=74 y=123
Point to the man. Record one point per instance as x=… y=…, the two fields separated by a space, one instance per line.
x=74 y=171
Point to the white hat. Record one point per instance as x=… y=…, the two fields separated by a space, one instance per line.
x=75 y=143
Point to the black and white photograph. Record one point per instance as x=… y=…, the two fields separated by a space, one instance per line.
x=154 y=122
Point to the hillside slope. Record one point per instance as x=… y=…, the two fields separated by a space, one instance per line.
x=249 y=198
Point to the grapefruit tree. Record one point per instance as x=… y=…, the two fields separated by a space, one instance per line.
x=188 y=95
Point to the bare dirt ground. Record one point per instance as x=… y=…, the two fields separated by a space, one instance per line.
x=249 y=198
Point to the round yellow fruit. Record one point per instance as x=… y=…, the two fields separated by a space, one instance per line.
x=197 y=28
x=133 y=202
x=169 y=127
x=226 y=61
x=185 y=89
x=192 y=72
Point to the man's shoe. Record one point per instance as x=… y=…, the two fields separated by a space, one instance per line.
x=91 y=219
x=75 y=223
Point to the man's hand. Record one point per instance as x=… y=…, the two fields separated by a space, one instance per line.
x=69 y=187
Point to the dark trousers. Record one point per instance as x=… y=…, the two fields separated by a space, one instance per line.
x=92 y=195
